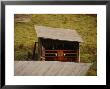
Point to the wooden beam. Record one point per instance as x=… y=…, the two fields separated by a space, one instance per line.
x=39 y=49
x=79 y=55
x=33 y=57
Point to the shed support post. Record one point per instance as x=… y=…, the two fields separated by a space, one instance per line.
x=33 y=57
x=39 y=49
x=79 y=56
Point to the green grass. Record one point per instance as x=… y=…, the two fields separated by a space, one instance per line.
x=93 y=69
x=25 y=35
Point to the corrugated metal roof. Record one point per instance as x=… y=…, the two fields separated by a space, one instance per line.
x=57 y=33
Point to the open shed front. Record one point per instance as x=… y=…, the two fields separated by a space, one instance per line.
x=57 y=50
x=57 y=44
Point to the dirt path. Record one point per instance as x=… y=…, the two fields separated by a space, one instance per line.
x=50 y=68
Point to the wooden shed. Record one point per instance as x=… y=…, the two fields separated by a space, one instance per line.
x=57 y=44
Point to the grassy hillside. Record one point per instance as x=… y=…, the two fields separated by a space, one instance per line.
x=25 y=35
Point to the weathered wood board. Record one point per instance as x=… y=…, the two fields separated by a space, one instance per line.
x=50 y=68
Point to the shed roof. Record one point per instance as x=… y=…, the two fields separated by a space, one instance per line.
x=57 y=33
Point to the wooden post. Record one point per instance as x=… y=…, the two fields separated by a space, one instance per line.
x=43 y=53
x=39 y=49
x=34 y=51
x=79 y=55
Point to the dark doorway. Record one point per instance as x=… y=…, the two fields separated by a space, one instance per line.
x=56 y=50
